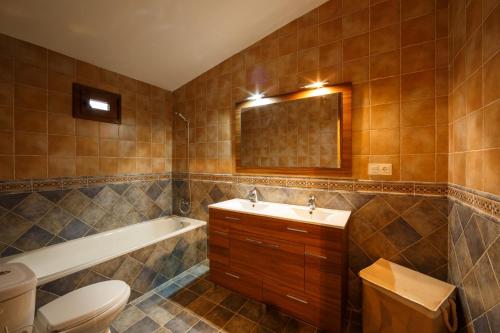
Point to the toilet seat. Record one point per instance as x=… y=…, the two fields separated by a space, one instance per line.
x=86 y=307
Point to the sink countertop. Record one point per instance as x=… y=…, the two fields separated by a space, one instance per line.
x=321 y=216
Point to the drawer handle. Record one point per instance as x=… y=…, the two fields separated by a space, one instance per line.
x=254 y=241
x=296 y=299
x=231 y=218
x=316 y=256
x=296 y=230
x=232 y=275
x=219 y=232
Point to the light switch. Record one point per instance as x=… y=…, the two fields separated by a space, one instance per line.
x=373 y=169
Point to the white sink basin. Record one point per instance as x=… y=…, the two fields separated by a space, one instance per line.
x=325 y=217
x=253 y=206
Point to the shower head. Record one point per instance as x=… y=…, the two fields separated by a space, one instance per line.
x=182 y=116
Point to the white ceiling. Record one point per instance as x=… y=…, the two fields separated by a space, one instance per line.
x=163 y=42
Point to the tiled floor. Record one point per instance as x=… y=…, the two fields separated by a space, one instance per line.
x=191 y=303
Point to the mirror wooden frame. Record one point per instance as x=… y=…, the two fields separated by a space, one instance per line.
x=345 y=169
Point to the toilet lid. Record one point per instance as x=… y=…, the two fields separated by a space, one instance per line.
x=82 y=305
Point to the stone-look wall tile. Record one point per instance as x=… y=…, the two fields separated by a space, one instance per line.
x=32 y=220
x=474 y=259
x=174 y=255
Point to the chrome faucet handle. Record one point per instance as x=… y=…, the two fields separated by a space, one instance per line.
x=312 y=202
x=252 y=195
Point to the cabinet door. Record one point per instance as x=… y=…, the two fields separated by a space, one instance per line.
x=240 y=280
x=325 y=315
x=277 y=259
x=218 y=245
x=323 y=269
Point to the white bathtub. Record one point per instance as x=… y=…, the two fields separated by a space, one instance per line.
x=56 y=261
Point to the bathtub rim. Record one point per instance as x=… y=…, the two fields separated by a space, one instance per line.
x=193 y=224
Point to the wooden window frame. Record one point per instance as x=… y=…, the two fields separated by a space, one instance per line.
x=81 y=107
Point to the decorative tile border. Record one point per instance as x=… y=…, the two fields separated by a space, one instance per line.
x=439 y=189
x=34 y=185
x=488 y=203
x=485 y=202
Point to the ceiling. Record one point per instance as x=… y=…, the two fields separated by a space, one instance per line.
x=163 y=42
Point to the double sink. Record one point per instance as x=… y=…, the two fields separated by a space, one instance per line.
x=320 y=216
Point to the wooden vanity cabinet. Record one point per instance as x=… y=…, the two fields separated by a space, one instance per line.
x=297 y=267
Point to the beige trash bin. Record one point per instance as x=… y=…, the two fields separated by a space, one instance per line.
x=399 y=300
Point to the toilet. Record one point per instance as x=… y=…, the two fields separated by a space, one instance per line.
x=90 y=309
x=397 y=299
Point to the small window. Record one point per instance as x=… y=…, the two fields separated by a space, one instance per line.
x=96 y=104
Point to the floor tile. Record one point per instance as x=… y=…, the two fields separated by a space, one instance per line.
x=201 y=306
x=184 y=297
x=201 y=286
x=144 y=325
x=239 y=324
x=127 y=318
x=297 y=326
x=233 y=302
x=217 y=294
x=219 y=316
x=182 y=322
x=274 y=320
x=252 y=310
x=202 y=327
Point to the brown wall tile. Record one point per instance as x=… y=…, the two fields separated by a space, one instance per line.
x=36 y=103
x=86 y=146
x=30 y=120
x=7 y=167
x=62 y=146
x=62 y=167
x=31 y=167
x=30 y=143
x=30 y=97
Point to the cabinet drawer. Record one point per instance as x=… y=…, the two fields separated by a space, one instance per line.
x=224 y=219
x=218 y=245
x=270 y=257
x=305 y=233
x=323 y=273
x=239 y=280
x=325 y=315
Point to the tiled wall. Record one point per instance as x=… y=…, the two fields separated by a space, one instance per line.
x=407 y=229
x=40 y=139
x=32 y=220
x=474 y=257
x=474 y=146
x=299 y=133
x=474 y=94
x=396 y=54
x=143 y=270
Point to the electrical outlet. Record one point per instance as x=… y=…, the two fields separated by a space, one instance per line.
x=384 y=169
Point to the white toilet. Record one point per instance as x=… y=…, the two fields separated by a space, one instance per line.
x=90 y=309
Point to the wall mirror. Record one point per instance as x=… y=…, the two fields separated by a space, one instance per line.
x=307 y=133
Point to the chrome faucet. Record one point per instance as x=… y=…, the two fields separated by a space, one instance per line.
x=252 y=195
x=311 y=203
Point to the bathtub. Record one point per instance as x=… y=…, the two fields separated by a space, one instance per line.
x=57 y=261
